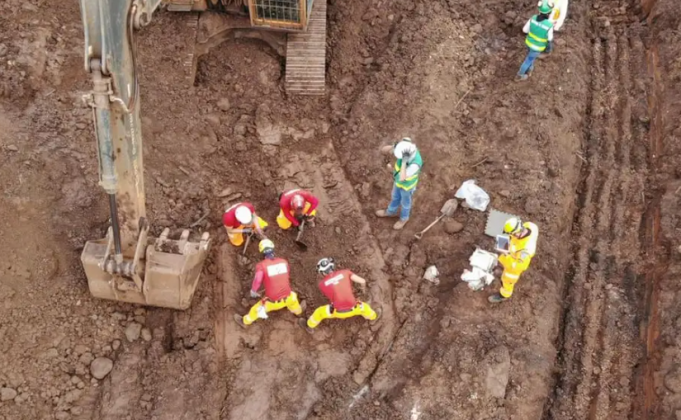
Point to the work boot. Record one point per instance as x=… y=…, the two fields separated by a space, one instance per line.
x=379 y=312
x=239 y=320
x=302 y=323
x=496 y=298
x=522 y=78
x=384 y=213
x=400 y=224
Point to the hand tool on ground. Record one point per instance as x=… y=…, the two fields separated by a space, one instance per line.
x=301 y=245
x=447 y=209
x=248 y=240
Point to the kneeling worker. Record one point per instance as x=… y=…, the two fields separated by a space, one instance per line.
x=295 y=206
x=337 y=287
x=240 y=219
x=273 y=273
x=522 y=247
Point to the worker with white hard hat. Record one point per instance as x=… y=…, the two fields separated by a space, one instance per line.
x=406 y=173
x=522 y=247
x=240 y=219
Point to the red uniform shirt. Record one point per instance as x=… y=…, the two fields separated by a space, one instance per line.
x=229 y=217
x=337 y=287
x=275 y=274
x=285 y=203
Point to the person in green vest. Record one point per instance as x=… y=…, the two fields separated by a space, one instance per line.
x=539 y=39
x=405 y=176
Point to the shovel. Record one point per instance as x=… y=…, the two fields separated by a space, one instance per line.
x=248 y=240
x=447 y=209
x=301 y=245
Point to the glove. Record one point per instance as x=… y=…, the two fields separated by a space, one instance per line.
x=255 y=295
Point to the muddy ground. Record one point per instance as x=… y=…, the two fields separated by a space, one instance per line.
x=587 y=149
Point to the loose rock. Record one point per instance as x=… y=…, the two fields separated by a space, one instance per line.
x=7 y=394
x=452 y=226
x=672 y=381
x=86 y=358
x=532 y=206
x=499 y=364
x=223 y=104
x=101 y=367
x=132 y=332
x=146 y=334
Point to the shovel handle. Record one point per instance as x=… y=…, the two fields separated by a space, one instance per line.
x=420 y=234
x=248 y=239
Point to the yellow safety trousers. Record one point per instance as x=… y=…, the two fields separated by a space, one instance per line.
x=512 y=270
x=326 y=312
x=237 y=238
x=285 y=224
x=290 y=302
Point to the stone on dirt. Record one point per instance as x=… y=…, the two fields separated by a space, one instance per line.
x=100 y=367
x=115 y=344
x=223 y=104
x=7 y=394
x=146 y=334
x=86 y=358
x=268 y=132
x=132 y=331
x=672 y=380
x=498 y=366
x=532 y=206
x=453 y=226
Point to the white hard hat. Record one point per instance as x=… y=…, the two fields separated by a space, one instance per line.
x=404 y=145
x=244 y=215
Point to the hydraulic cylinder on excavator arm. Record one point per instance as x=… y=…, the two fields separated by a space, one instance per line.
x=128 y=265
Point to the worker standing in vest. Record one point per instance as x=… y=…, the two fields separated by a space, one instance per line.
x=273 y=274
x=405 y=176
x=522 y=247
x=337 y=287
x=295 y=206
x=240 y=219
x=539 y=39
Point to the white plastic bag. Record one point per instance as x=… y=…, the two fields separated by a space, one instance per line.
x=480 y=274
x=262 y=312
x=475 y=197
x=431 y=275
x=477 y=278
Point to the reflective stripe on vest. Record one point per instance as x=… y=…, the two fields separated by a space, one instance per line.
x=410 y=182
x=538 y=37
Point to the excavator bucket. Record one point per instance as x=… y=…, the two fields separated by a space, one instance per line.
x=163 y=272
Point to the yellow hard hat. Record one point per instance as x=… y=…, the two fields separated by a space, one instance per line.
x=513 y=225
x=266 y=245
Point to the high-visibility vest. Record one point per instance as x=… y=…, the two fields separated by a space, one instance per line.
x=411 y=181
x=538 y=37
x=521 y=250
x=275 y=278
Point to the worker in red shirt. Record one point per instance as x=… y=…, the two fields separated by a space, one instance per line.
x=337 y=287
x=240 y=219
x=295 y=206
x=273 y=274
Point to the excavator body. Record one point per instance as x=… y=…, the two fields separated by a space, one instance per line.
x=129 y=265
x=295 y=29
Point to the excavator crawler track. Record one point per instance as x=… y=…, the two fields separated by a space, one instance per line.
x=306 y=55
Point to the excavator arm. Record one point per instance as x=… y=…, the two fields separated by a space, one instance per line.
x=128 y=265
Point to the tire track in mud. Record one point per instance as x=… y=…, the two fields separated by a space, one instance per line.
x=600 y=350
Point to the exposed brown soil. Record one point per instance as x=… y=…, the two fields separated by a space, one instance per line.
x=587 y=149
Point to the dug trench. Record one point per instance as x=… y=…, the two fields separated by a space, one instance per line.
x=585 y=149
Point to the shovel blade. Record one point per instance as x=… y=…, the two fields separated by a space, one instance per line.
x=301 y=245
